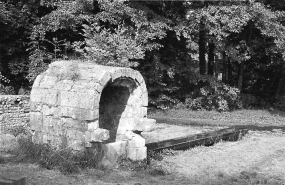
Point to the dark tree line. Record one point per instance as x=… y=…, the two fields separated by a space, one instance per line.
x=194 y=54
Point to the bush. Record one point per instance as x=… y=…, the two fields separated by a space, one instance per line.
x=213 y=95
x=7 y=90
x=65 y=159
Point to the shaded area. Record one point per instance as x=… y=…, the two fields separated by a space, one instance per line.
x=112 y=104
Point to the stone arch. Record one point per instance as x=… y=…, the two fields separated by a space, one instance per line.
x=69 y=100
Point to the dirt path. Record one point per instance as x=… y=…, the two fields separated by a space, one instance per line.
x=260 y=156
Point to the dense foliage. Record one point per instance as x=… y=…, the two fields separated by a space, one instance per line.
x=202 y=55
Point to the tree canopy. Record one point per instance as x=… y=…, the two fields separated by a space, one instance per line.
x=198 y=53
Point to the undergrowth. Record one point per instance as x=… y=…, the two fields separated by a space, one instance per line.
x=64 y=159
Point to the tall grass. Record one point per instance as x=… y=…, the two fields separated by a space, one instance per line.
x=64 y=159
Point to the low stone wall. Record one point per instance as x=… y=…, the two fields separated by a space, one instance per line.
x=14 y=111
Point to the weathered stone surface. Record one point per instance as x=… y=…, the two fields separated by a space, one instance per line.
x=48 y=82
x=48 y=110
x=136 y=142
x=63 y=85
x=146 y=125
x=99 y=135
x=77 y=113
x=8 y=142
x=36 y=120
x=93 y=125
x=113 y=152
x=127 y=124
x=137 y=154
x=38 y=81
x=67 y=98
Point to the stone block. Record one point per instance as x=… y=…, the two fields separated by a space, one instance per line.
x=50 y=96
x=146 y=125
x=138 y=77
x=77 y=113
x=70 y=123
x=80 y=136
x=87 y=114
x=48 y=82
x=47 y=123
x=123 y=135
x=71 y=134
x=35 y=106
x=63 y=85
x=37 y=81
x=137 y=154
x=113 y=152
x=36 y=119
x=81 y=99
x=99 y=135
x=136 y=142
x=116 y=74
x=37 y=95
x=143 y=112
x=105 y=79
x=99 y=88
x=48 y=110
x=87 y=136
x=68 y=112
x=127 y=124
x=93 y=125
x=69 y=98
x=144 y=99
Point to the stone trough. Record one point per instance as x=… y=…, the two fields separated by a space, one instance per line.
x=78 y=104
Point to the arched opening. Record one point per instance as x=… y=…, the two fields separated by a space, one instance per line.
x=113 y=102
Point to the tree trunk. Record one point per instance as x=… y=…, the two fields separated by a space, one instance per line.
x=202 y=48
x=240 y=76
x=230 y=76
x=211 y=58
x=225 y=68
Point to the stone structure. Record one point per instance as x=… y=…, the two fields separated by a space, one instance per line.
x=14 y=111
x=77 y=104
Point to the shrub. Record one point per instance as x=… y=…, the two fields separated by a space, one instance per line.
x=213 y=95
x=7 y=90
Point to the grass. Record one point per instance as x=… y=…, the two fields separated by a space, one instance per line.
x=238 y=117
x=258 y=158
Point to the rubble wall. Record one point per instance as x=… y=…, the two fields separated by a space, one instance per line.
x=14 y=111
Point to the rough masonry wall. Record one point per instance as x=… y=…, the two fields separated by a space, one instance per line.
x=14 y=111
